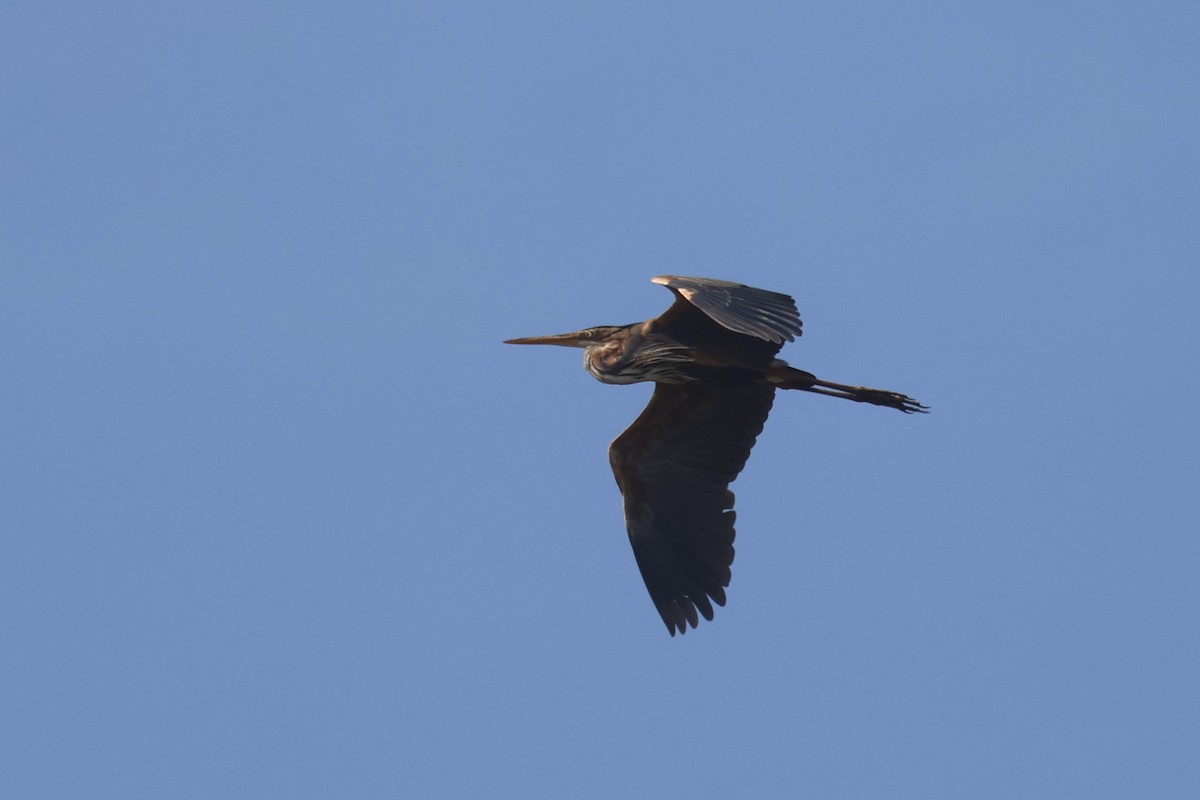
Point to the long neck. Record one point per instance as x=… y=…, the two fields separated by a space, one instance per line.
x=630 y=357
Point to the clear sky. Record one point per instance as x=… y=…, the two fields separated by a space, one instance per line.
x=282 y=517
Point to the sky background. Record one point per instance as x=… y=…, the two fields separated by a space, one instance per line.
x=282 y=517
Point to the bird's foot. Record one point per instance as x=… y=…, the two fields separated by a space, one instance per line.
x=883 y=397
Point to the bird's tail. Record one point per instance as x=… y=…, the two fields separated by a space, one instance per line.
x=787 y=377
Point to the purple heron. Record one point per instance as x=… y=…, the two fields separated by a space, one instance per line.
x=711 y=358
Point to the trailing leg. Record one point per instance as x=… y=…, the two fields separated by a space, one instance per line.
x=786 y=377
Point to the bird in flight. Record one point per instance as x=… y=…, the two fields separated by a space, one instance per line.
x=711 y=358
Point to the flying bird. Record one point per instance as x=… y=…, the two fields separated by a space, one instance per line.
x=711 y=358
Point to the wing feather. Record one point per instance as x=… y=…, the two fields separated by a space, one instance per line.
x=674 y=465
x=770 y=316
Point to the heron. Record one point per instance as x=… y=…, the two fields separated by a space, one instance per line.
x=712 y=359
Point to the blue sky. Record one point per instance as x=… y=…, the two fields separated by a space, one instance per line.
x=282 y=517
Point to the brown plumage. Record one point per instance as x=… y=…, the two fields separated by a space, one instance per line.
x=712 y=358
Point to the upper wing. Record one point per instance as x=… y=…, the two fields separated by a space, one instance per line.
x=769 y=316
x=674 y=465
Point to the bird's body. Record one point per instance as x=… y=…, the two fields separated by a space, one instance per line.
x=712 y=358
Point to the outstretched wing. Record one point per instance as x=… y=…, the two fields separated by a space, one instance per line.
x=769 y=316
x=674 y=465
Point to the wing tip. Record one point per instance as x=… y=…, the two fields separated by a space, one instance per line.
x=684 y=613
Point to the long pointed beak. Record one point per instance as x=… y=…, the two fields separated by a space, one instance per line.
x=561 y=339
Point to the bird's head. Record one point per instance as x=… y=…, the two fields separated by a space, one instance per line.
x=588 y=337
